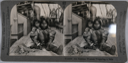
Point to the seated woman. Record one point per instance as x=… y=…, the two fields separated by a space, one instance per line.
x=46 y=37
x=99 y=38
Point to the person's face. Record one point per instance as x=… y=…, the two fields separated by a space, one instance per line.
x=90 y=24
x=44 y=24
x=87 y=29
x=37 y=24
x=97 y=25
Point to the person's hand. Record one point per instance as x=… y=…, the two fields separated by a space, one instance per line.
x=38 y=44
x=95 y=43
x=91 y=44
x=102 y=44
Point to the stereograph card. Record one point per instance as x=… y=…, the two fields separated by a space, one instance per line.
x=63 y=31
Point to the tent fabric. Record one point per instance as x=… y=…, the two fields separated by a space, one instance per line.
x=46 y=8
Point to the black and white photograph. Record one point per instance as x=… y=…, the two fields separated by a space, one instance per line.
x=64 y=31
x=90 y=29
x=36 y=29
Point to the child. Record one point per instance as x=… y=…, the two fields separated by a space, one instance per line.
x=34 y=34
x=87 y=36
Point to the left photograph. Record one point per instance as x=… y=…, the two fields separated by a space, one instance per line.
x=36 y=29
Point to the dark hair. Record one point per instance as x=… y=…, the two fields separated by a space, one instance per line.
x=97 y=20
x=35 y=22
x=89 y=21
x=42 y=20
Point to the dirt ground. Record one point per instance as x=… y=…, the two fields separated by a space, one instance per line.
x=89 y=52
x=14 y=49
x=59 y=40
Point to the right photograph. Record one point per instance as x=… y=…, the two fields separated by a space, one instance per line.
x=90 y=29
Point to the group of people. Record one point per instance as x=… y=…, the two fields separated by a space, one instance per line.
x=42 y=36
x=95 y=37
